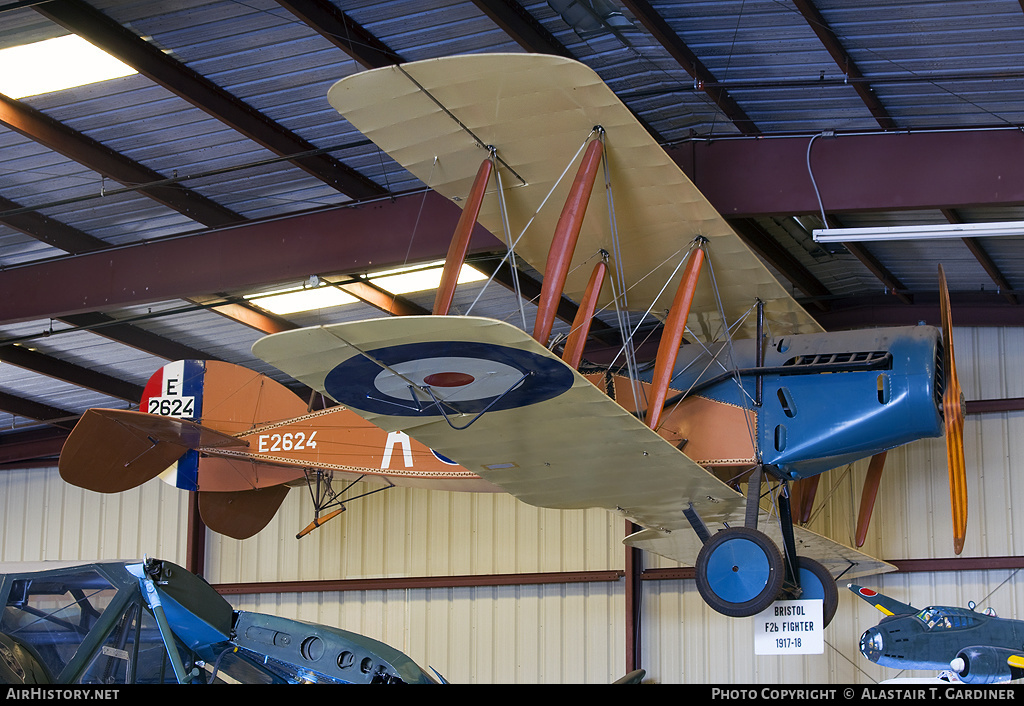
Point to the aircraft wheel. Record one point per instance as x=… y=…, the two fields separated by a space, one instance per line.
x=739 y=572
x=817 y=583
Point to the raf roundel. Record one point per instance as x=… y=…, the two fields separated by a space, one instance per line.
x=463 y=377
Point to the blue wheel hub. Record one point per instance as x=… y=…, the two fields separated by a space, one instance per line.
x=811 y=585
x=738 y=570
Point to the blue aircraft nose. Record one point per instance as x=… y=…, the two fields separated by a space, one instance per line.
x=871 y=643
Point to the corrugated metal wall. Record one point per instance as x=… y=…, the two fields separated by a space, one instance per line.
x=568 y=632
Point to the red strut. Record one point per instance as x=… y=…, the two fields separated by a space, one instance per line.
x=460 y=240
x=563 y=243
x=672 y=338
x=581 y=324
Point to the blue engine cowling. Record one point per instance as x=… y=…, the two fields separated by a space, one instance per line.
x=833 y=398
x=986 y=665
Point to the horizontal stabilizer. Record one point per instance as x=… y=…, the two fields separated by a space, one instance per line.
x=241 y=514
x=110 y=451
x=889 y=606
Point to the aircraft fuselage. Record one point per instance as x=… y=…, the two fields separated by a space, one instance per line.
x=826 y=399
x=934 y=636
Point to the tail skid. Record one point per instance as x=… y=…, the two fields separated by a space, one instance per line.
x=324 y=497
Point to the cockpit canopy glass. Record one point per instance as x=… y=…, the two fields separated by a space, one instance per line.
x=945 y=618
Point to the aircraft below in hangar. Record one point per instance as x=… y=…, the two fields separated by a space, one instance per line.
x=979 y=647
x=746 y=388
x=153 y=622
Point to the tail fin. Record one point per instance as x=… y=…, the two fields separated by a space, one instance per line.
x=185 y=405
x=243 y=513
x=218 y=395
x=222 y=396
x=889 y=606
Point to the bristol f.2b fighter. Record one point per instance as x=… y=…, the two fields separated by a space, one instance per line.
x=746 y=392
x=980 y=647
x=758 y=393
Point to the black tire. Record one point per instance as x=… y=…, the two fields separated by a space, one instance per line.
x=739 y=572
x=817 y=582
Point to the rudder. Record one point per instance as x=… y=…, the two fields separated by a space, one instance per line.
x=222 y=396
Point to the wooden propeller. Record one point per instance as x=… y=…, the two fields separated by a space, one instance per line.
x=953 y=418
x=953 y=408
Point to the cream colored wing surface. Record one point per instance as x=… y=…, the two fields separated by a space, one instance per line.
x=533 y=425
x=522 y=419
x=839 y=559
x=438 y=117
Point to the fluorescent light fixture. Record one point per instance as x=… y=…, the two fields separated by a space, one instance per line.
x=293 y=301
x=420 y=278
x=54 y=65
x=403 y=280
x=951 y=230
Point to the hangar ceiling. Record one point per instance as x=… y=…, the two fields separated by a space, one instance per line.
x=137 y=214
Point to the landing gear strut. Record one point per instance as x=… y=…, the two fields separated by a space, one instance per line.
x=740 y=571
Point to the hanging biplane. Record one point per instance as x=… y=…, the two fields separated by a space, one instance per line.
x=499 y=133
x=757 y=393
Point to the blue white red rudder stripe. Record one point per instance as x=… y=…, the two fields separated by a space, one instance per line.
x=176 y=390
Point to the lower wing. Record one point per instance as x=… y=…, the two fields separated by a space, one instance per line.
x=488 y=396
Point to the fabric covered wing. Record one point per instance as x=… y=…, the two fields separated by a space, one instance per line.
x=435 y=118
x=553 y=439
x=839 y=559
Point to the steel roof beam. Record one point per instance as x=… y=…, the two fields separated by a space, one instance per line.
x=343 y=32
x=69 y=372
x=178 y=78
x=138 y=338
x=983 y=258
x=969 y=309
x=522 y=27
x=90 y=153
x=31 y=444
x=38 y=411
x=679 y=51
x=778 y=257
x=381 y=299
x=875 y=266
x=849 y=68
x=47 y=230
x=241 y=311
x=347 y=240
x=857 y=172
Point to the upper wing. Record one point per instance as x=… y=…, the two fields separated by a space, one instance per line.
x=436 y=118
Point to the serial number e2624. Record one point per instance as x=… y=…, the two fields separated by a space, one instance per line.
x=271 y=443
x=182 y=407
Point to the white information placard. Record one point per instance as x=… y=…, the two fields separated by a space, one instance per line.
x=790 y=628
